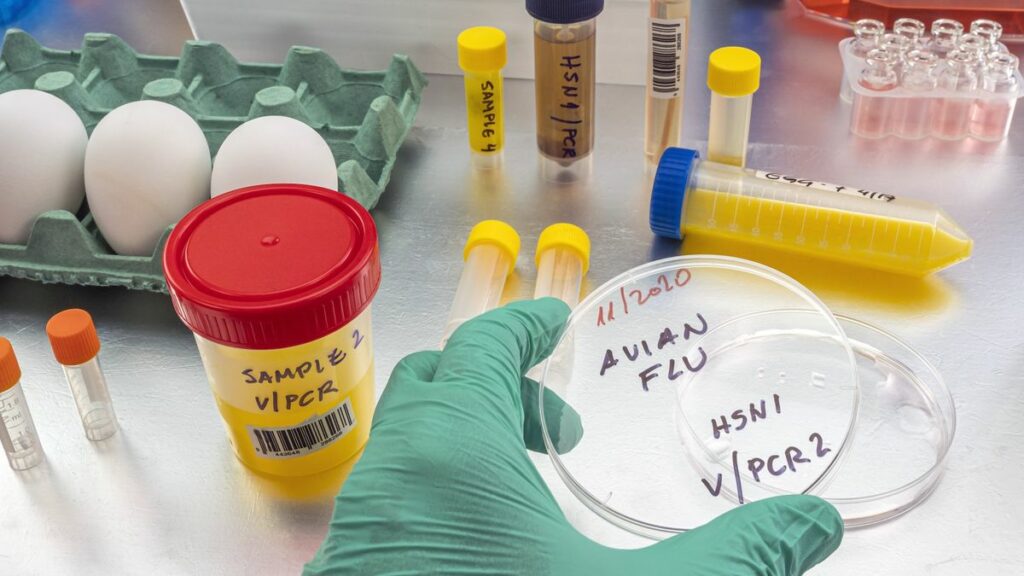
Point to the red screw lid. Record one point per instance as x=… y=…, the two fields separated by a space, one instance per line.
x=272 y=266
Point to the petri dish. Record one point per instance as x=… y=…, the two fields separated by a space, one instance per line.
x=905 y=428
x=702 y=383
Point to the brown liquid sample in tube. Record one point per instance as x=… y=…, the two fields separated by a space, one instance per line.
x=565 y=66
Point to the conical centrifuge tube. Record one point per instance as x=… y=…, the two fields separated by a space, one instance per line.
x=490 y=254
x=802 y=216
x=17 y=430
x=952 y=115
x=870 y=116
x=990 y=119
x=76 y=346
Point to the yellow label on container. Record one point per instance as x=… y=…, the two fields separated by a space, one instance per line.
x=298 y=410
x=484 y=112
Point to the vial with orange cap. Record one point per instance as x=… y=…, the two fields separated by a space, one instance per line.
x=76 y=346
x=482 y=55
x=490 y=254
x=17 y=431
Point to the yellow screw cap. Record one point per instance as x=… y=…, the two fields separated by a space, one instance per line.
x=482 y=49
x=494 y=233
x=734 y=71
x=10 y=371
x=564 y=235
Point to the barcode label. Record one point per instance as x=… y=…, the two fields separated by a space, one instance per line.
x=304 y=439
x=666 y=38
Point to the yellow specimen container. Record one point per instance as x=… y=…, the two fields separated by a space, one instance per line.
x=276 y=283
x=482 y=55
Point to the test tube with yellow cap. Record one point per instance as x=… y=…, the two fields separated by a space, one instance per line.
x=563 y=257
x=17 y=431
x=482 y=55
x=734 y=74
x=490 y=254
x=76 y=346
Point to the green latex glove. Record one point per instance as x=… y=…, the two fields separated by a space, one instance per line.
x=445 y=485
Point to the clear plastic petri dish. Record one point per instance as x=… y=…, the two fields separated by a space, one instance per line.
x=702 y=383
x=905 y=428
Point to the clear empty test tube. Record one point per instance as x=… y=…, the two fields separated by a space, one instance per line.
x=951 y=117
x=563 y=258
x=17 y=431
x=871 y=107
x=76 y=346
x=668 y=33
x=945 y=34
x=734 y=74
x=565 y=51
x=482 y=56
x=992 y=113
x=490 y=254
x=802 y=216
x=913 y=113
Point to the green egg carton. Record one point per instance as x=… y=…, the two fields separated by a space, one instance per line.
x=363 y=115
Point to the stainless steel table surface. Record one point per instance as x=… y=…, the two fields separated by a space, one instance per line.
x=166 y=496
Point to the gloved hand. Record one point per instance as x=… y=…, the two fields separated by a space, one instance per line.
x=445 y=485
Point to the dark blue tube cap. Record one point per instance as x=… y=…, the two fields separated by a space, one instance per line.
x=670 y=184
x=564 y=11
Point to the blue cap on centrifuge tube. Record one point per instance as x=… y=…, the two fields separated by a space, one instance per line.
x=564 y=11
x=670 y=184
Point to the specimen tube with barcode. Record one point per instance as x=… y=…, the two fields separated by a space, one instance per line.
x=734 y=74
x=668 y=34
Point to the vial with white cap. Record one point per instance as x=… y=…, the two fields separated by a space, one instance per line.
x=490 y=254
x=734 y=74
x=17 y=431
x=77 y=346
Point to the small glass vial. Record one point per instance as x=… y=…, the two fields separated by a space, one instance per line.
x=911 y=29
x=734 y=74
x=976 y=46
x=945 y=33
x=668 y=33
x=866 y=34
x=490 y=255
x=898 y=45
x=871 y=113
x=952 y=113
x=990 y=119
x=17 y=430
x=913 y=112
x=77 y=346
x=565 y=67
x=988 y=30
x=482 y=56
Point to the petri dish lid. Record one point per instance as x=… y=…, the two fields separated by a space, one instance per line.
x=702 y=383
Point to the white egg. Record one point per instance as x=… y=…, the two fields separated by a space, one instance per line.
x=273 y=149
x=146 y=166
x=42 y=150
